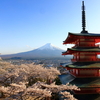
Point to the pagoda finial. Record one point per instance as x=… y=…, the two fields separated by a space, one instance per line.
x=83 y=19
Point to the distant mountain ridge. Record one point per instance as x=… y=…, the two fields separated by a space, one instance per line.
x=46 y=51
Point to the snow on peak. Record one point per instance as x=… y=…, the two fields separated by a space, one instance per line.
x=47 y=46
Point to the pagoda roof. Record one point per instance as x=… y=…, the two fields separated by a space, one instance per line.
x=72 y=37
x=85 y=49
x=74 y=50
x=87 y=83
x=80 y=82
x=85 y=34
x=82 y=65
x=66 y=78
x=94 y=66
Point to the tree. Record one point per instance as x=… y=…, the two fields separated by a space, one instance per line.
x=19 y=81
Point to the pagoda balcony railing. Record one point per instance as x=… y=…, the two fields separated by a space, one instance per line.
x=84 y=60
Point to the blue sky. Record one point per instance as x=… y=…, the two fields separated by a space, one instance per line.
x=29 y=24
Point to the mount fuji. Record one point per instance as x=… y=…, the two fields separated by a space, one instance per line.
x=46 y=51
x=49 y=46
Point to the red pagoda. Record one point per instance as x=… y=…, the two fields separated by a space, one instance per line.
x=84 y=71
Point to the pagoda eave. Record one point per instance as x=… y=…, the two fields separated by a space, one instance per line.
x=73 y=37
x=80 y=68
x=72 y=51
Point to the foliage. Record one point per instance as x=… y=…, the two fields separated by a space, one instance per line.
x=30 y=80
x=57 y=81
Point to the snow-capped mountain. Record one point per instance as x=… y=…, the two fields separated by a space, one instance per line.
x=48 y=46
x=48 y=50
